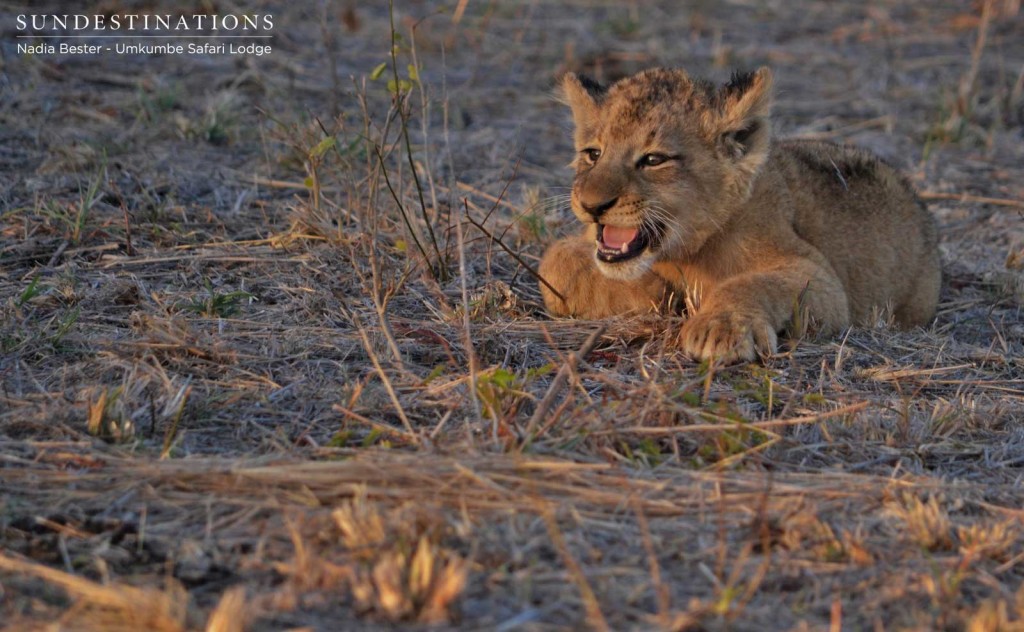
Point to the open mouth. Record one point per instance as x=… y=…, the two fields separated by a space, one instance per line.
x=621 y=243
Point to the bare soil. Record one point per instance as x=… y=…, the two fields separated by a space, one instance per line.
x=236 y=395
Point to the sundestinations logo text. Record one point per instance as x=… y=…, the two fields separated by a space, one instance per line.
x=91 y=34
x=144 y=22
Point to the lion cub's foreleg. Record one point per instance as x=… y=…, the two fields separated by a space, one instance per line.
x=569 y=266
x=742 y=316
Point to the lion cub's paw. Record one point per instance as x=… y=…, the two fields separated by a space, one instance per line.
x=727 y=336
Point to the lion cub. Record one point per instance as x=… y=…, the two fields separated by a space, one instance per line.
x=682 y=190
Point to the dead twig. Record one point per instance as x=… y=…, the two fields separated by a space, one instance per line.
x=511 y=252
x=727 y=423
x=595 y=618
x=974 y=199
x=467 y=332
x=399 y=410
x=561 y=377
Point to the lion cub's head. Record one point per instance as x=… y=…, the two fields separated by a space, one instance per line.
x=662 y=160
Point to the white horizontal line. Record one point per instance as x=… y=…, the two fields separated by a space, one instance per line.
x=135 y=36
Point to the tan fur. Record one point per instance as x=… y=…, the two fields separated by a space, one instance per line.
x=760 y=230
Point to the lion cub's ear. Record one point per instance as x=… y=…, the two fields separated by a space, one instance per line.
x=744 y=105
x=583 y=95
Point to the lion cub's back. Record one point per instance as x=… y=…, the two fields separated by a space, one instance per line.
x=864 y=217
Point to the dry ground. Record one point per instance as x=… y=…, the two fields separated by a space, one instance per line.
x=233 y=394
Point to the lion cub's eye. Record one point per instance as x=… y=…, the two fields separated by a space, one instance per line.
x=652 y=160
x=591 y=154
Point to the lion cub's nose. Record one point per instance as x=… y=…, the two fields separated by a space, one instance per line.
x=598 y=209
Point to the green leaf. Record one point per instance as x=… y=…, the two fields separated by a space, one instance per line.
x=372 y=437
x=30 y=292
x=340 y=439
x=503 y=378
x=540 y=371
x=308 y=182
x=322 y=147
x=434 y=374
x=414 y=74
x=691 y=399
x=403 y=85
x=378 y=71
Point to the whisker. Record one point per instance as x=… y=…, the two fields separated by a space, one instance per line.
x=551 y=203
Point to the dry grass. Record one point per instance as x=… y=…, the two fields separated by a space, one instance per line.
x=272 y=357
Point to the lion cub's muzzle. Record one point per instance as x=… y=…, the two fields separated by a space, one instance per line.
x=616 y=243
x=621 y=243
